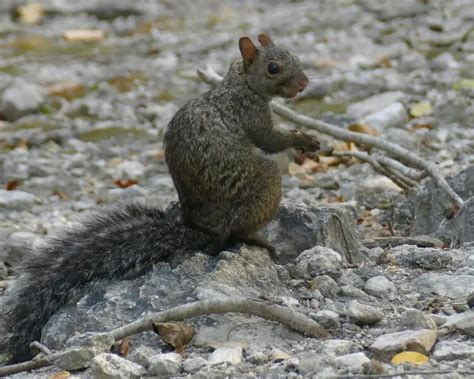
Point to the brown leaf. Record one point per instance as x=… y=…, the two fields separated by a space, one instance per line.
x=121 y=347
x=62 y=195
x=176 y=334
x=12 y=184
x=364 y=129
x=60 y=375
x=67 y=89
x=30 y=13
x=84 y=35
x=124 y=183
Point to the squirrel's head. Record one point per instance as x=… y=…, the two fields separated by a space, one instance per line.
x=271 y=70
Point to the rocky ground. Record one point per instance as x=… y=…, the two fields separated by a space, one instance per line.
x=81 y=127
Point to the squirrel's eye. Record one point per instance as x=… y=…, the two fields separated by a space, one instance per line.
x=272 y=68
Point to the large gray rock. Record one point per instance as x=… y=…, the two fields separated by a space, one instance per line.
x=432 y=209
x=449 y=285
x=427 y=258
x=299 y=227
x=460 y=228
x=20 y=99
x=386 y=345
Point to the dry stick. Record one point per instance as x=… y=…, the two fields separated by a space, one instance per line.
x=363 y=156
x=402 y=154
x=408 y=172
x=264 y=309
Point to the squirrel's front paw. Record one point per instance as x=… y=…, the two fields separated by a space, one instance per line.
x=306 y=142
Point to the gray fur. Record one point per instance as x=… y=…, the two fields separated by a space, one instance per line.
x=227 y=192
x=122 y=243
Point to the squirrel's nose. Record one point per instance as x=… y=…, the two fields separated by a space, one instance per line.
x=302 y=82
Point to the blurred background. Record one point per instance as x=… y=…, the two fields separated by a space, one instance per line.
x=87 y=88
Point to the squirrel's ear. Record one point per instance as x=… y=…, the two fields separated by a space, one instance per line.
x=265 y=40
x=248 y=50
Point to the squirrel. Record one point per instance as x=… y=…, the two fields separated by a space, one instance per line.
x=227 y=191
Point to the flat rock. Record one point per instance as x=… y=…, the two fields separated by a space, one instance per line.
x=427 y=258
x=447 y=350
x=363 y=314
x=461 y=321
x=299 y=227
x=231 y=355
x=392 y=116
x=448 y=285
x=374 y=103
x=16 y=199
x=387 y=345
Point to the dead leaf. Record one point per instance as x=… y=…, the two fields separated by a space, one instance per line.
x=30 y=13
x=410 y=357
x=160 y=155
x=67 y=89
x=124 y=183
x=60 y=375
x=364 y=128
x=12 y=184
x=62 y=195
x=176 y=334
x=420 y=109
x=84 y=35
x=121 y=347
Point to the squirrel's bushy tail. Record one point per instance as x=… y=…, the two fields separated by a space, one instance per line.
x=122 y=243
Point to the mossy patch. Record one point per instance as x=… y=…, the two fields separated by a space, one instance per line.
x=114 y=131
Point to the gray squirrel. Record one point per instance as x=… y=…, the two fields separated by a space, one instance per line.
x=227 y=192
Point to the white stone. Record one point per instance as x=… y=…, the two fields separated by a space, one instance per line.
x=193 y=365
x=164 y=364
x=20 y=99
x=16 y=199
x=319 y=260
x=232 y=355
x=392 y=116
x=130 y=170
x=336 y=346
x=363 y=314
x=111 y=366
x=352 y=362
x=380 y=287
x=374 y=103
x=447 y=350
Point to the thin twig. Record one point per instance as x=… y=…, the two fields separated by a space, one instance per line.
x=402 y=154
x=363 y=156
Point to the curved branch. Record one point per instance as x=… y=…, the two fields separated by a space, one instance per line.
x=264 y=309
